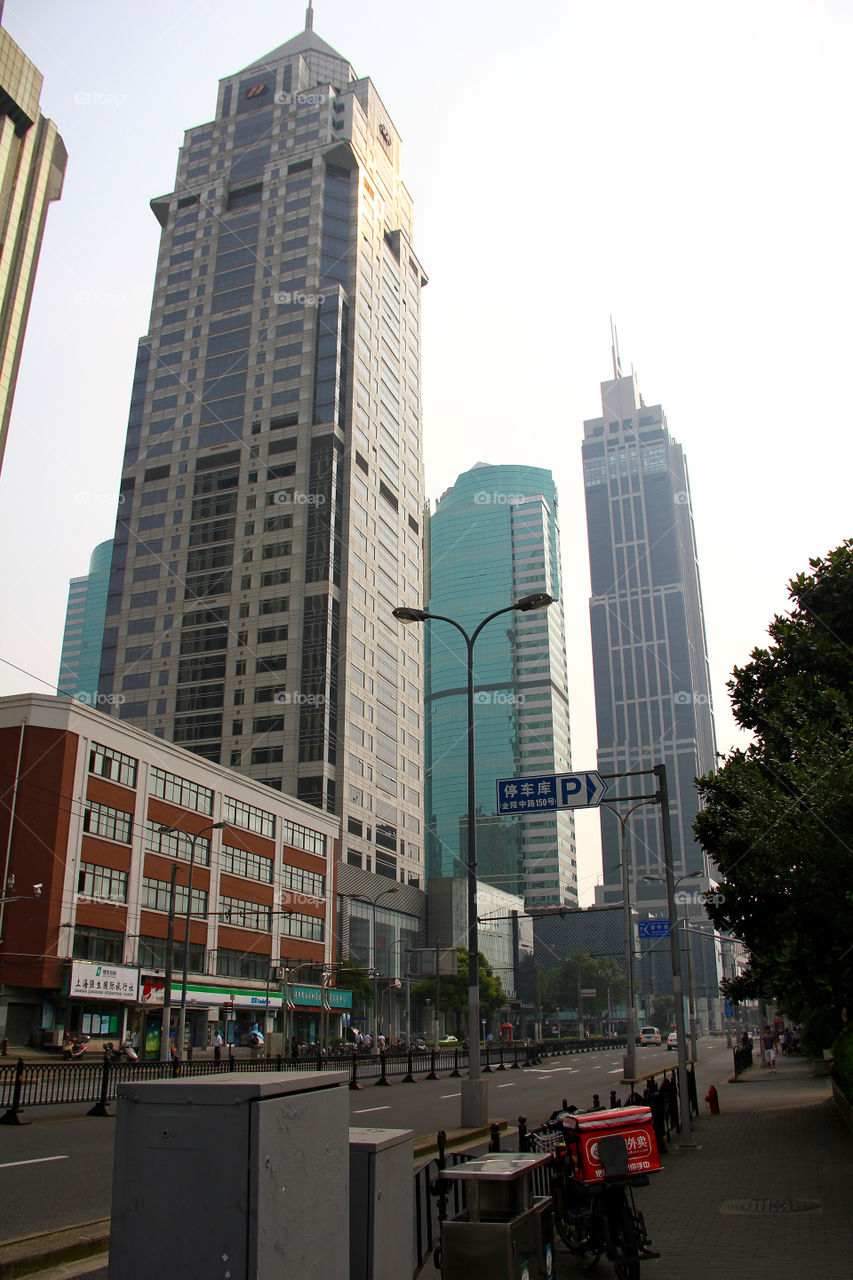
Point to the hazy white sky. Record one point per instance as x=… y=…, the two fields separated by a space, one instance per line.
x=683 y=167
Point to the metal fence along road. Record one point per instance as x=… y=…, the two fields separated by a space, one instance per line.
x=32 y=1084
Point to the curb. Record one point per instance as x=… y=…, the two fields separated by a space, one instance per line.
x=31 y=1254
x=457 y=1140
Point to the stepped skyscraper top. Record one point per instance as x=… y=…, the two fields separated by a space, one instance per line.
x=272 y=488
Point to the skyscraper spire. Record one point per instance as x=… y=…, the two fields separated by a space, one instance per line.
x=309 y=16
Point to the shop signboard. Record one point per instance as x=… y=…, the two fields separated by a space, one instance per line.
x=151 y=990
x=102 y=981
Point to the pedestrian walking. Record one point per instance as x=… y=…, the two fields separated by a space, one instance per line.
x=217 y=1045
x=768 y=1044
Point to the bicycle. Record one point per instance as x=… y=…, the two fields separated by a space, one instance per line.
x=593 y=1177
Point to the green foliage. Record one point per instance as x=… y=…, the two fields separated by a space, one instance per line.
x=842 y=1062
x=663 y=1011
x=453 y=990
x=778 y=816
x=560 y=985
x=352 y=977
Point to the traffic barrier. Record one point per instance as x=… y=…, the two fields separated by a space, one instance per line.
x=46 y=1083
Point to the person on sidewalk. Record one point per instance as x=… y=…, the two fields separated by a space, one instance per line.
x=768 y=1044
x=217 y=1045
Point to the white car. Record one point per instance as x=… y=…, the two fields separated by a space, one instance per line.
x=672 y=1040
x=649 y=1035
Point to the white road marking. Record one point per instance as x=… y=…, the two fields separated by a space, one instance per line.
x=450 y=1095
x=507 y=1086
x=615 y=1072
x=40 y=1160
x=365 y=1110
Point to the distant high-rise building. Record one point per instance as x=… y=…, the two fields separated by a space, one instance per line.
x=495 y=537
x=652 y=686
x=32 y=168
x=272 y=487
x=80 y=662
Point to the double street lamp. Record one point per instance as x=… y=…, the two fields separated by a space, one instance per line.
x=630 y=1060
x=371 y=902
x=691 y=875
x=474 y=1090
x=193 y=837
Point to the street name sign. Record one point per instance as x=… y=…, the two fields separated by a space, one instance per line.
x=551 y=791
x=654 y=929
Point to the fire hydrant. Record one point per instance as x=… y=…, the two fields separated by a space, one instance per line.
x=713 y=1101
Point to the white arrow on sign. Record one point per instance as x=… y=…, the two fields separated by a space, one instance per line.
x=581 y=790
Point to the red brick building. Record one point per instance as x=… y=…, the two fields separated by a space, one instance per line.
x=87 y=873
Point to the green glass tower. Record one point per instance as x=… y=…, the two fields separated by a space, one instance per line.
x=494 y=538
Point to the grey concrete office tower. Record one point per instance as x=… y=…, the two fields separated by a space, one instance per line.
x=32 y=170
x=272 y=488
x=652 y=688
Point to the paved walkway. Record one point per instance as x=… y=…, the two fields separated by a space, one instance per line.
x=767 y=1193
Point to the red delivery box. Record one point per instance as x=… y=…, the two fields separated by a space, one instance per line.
x=585 y=1129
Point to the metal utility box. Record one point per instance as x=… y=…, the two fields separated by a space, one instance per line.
x=505 y=1232
x=242 y=1176
x=381 y=1204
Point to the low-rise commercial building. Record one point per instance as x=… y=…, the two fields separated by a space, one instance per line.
x=95 y=817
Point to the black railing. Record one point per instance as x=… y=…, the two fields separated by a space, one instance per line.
x=43 y=1083
x=743 y=1058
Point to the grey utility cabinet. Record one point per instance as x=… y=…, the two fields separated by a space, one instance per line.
x=242 y=1177
x=381 y=1203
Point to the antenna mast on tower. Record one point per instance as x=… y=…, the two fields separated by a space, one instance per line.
x=309 y=16
x=614 y=350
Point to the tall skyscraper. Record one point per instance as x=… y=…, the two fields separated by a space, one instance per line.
x=495 y=537
x=652 y=687
x=32 y=169
x=272 y=488
x=80 y=661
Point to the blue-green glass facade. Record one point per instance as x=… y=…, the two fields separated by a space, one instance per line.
x=82 y=639
x=494 y=538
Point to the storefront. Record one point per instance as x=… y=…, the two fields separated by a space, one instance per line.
x=315 y=1013
x=101 y=1000
x=209 y=1005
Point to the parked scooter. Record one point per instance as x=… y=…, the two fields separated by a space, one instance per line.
x=124 y=1053
x=74 y=1046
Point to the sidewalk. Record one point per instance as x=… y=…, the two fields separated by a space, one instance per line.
x=767 y=1191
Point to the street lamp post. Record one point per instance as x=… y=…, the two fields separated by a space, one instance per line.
x=474 y=1090
x=630 y=1059
x=192 y=837
x=371 y=902
x=659 y=770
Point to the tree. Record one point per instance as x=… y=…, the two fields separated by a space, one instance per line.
x=354 y=978
x=580 y=968
x=453 y=990
x=778 y=816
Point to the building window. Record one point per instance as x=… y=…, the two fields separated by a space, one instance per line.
x=111 y=764
x=110 y=824
x=102 y=882
x=242 y=964
x=180 y=791
x=245 y=915
x=156 y=895
x=299 y=837
x=308 y=883
x=153 y=954
x=240 y=862
x=97 y=944
x=247 y=816
x=177 y=844
x=311 y=928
